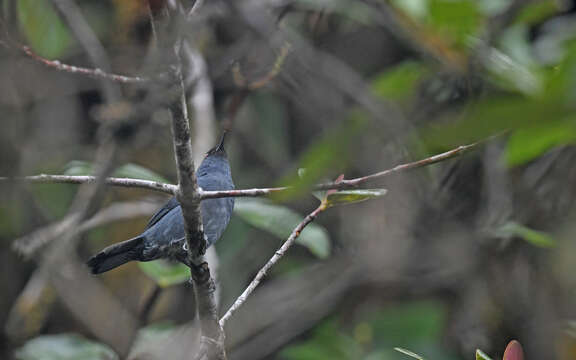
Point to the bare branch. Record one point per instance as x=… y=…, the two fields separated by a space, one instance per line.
x=273 y=260
x=188 y=194
x=257 y=192
x=346 y=184
x=71 y=179
x=93 y=73
x=403 y=167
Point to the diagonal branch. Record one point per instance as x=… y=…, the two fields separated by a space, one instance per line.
x=273 y=260
x=95 y=73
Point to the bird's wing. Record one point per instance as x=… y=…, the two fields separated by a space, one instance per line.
x=171 y=204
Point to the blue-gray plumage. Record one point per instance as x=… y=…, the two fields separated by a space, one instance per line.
x=164 y=236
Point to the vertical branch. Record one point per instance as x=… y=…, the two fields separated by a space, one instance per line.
x=187 y=193
x=212 y=344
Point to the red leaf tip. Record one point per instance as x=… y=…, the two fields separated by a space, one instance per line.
x=513 y=351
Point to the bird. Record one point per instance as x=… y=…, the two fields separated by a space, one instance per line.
x=164 y=237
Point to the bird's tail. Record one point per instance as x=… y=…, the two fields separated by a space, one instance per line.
x=116 y=255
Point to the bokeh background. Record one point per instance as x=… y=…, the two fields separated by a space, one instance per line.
x=462 y=255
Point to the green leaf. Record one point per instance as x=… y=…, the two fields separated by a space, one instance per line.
x=560 y=83
x=152 y=336
x=280 y=221
x=480 y=355
x=64 y=347
x=536 y=238
x=155 y=331
x=132 y=171
x=526 y=144
x=536 y=12
x=418 y=9
x=165 y=273
x=399 y=82
x=456 y=20
x=135 y=171
x=511 y=74
x=326 y=342
x=409 y=353
x=45 y=31
x=408 y=324
x=491 y=116
x=78 y=168
x=353 y=196
x=493 y=7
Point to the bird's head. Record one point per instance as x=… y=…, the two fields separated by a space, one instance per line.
x=216 y=160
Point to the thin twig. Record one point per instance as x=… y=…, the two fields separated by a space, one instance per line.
x=82 y=179
x=93 y=73
x=345 y=184
x=257 y=192
x=273 y=260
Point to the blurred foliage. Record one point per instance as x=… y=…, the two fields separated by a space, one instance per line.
x=344 y=197
x=44 y=29
x=165 y=273
x=399 y=82
x=412 y=325
x=409 y=353
x=64 y=347
x=455 y=21
x=153 y=332
x=325 y=156
x=480 y=355
x=53 y=198
x=536 y=238
x=279 y=220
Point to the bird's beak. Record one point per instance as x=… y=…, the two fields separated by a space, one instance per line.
x=220 y=146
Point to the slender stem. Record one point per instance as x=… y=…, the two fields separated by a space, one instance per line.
x=95 y=73
x=70 y=179
x=257 y=192
x=273 y=260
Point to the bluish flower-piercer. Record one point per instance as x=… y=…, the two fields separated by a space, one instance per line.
x=164 y=236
